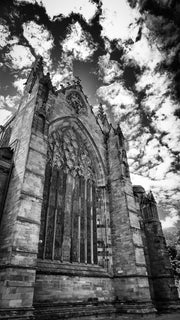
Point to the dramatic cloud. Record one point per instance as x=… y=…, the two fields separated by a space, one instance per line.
x=116 y=94
x=63 y=72
x=84 y=7
x=132 y=50
x=4 y=35
x=78 y=43
x=119 y=20
x=19 y=57
x=109 y=70
x=39 y=38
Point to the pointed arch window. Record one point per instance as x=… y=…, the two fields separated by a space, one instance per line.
x=68 y=220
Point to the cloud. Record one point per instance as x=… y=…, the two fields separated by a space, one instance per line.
x=55 y=7
x=79 y=43
x=108 y=69
x=8 y=105
x=5 y=115
x=115 y=95
x=171 y=220
x=63 y=72
x=141 y=180
x=137 y=89
x=4 y=35
x=28 y=1
x=118 y=20
x=19 y=57
x=144 y=52
x=40 y=39
x=19 y=84
x=157 y=87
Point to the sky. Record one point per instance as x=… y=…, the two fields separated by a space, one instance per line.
x=127 y=54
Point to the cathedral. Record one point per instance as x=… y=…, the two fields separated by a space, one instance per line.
x=77 y=240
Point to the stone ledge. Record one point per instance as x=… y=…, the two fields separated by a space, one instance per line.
x=16 y=313
x=130 y=276
x=90 y=309
x=35 y=173
x=27 y=220
x=30 y=194
x=167 y=305
x=14 y=266
x=38 y=151
x=71 y=269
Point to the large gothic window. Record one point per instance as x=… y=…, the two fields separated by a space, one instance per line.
x=68 y=221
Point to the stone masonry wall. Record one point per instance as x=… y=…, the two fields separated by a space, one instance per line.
x=21 y=218
x=63 y=288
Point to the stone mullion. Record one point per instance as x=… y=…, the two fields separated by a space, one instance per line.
x=57 y=225
x=82 y=240
x=102 y=226
x=91 y=220
x=44 y=211
x=66 y=247
x=72 y=220
x=98 y=211
x=79 y=222
x=105 y=226
x=75 y=203
x=61 y=191
x=55 y=214
x=94 y=224
x=88 y=222
x=85 y=223
x=104 y=235
x=51 y=217
x=54 y=233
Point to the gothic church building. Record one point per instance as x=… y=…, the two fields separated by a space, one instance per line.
x=77 y=240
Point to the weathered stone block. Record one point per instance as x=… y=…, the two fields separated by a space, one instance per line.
x=139 y=253
x=38 y=143
x=33 y=184
x=137 y=238
x=134 y=220
x=36 y=162
x=30 y=208
x=27 y=237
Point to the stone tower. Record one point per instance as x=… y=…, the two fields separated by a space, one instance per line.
x=71 y=243
x=163 y=289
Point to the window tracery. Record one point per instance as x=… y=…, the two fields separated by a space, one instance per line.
x=76 y=102
x=68 y=222
x=68 y=151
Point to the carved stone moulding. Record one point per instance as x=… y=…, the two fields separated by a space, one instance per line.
x=76 y=101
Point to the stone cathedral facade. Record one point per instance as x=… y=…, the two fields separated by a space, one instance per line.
x=77 y=240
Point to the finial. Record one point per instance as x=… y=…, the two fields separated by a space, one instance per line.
x=101 y=114
x=118 y=131
x=78 y=80
x=151 y=196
